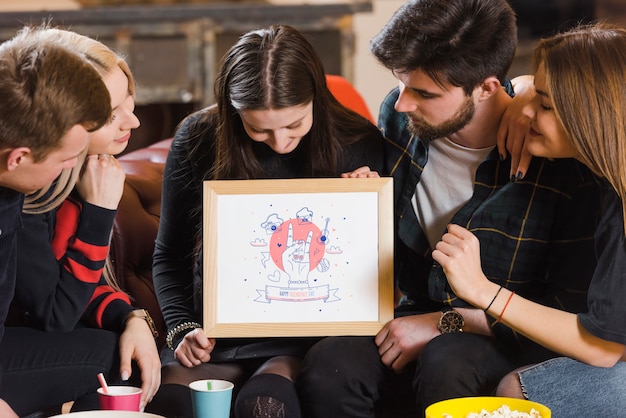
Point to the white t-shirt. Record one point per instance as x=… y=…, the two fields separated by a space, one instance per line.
x=446 y=184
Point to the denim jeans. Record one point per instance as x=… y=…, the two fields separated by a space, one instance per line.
x=574 y=389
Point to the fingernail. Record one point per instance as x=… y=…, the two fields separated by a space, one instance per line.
x=519 y=175
x=125 y=376
x=513 y=178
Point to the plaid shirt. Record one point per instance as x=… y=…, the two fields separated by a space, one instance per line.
x=536 y=235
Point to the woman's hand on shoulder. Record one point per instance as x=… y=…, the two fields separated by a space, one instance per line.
x=137 y=343
x=361 y=173
x=102 y=181
x=194 y=349
x=514 y=126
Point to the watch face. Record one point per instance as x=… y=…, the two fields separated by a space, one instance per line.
x=451 y=321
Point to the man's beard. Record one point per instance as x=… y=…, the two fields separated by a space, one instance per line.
x=427 y=132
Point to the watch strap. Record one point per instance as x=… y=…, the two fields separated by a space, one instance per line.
x=145 y=315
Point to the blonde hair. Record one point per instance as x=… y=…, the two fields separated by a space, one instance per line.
x=46 y=90
x=104 y=60
x=585 y=71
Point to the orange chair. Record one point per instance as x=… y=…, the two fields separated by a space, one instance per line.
x=348 y=96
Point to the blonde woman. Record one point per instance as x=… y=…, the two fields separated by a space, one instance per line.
x=64 y=305
x=578 y=111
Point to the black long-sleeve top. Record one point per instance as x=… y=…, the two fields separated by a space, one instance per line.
x=61 y=256
x=175 y=255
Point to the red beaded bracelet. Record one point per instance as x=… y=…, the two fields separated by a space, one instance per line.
x=505 y=306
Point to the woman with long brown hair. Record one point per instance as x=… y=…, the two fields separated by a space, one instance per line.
x=578 y=111
x=274 y=118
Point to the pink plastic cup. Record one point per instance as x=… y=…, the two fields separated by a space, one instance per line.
x=120 y=398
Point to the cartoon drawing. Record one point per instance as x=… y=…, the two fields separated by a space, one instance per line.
x=334 y=249
x=272 y=224
x=323 y=238
x=297 y=247
x=296 y=259
x=258 y=242
x=304 y=215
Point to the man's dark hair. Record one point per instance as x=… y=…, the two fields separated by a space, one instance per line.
x=460 y=42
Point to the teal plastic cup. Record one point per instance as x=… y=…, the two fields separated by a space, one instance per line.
x=211 y=398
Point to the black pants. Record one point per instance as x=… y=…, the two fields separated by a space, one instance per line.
x=40 y=370
x=344 y=377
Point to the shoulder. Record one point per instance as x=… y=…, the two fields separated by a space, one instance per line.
x=10 y=211
x=371 y=141
x=195 y=127
x=387 y=109
x=197 y=122
x=565 y=174
x=392 y=123
x=611 y=208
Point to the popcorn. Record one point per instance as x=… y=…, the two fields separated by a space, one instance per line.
x=503 y=412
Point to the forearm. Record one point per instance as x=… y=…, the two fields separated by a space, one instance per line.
x=59 y=270
x=554 y=329
x=475 y=321
x=173 y=284
x=175 y=246
x=43 y=284
x=108 y=309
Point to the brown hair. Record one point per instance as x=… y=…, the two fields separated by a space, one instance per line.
x=46 y=90
x=460 y=42
x=104 y=60
x=276 y=68
x=585 y=69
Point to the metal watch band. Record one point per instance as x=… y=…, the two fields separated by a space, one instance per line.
x=145 y=315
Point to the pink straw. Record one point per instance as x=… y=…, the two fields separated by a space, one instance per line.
x=103 y=383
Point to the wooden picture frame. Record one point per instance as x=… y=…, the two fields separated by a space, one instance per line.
x=297 y=257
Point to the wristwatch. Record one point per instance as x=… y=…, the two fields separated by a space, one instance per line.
x=450 y=321
x=145 y=315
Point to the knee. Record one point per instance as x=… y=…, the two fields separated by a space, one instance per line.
x=285 y=366
x=335 y=361
x=340 y=355
x=442 y=359
x=176 y=373
x=510 y=386
x=319 y=363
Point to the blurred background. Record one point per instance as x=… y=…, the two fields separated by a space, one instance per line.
x=174 y=46
x=536 y=18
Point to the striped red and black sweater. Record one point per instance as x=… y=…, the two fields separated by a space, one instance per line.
x=61 y=257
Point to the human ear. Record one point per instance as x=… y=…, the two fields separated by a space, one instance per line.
x=15 y=157
x=489 y=87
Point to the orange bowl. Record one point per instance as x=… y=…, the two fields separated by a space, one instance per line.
x=462 y=407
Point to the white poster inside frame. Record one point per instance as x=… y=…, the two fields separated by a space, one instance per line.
x=297 y=257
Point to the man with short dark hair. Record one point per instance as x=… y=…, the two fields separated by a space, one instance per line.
x=51 y=100
x=451 y=58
